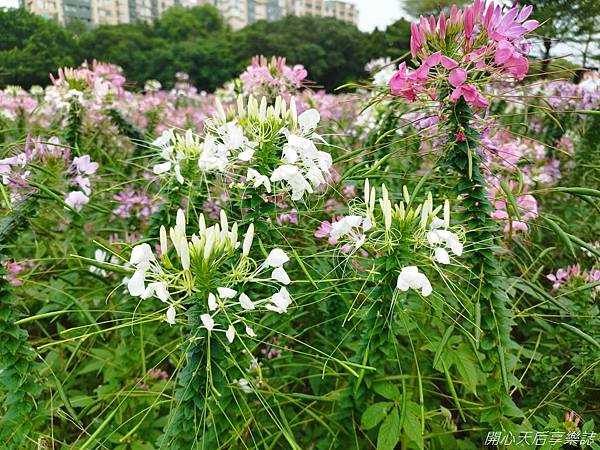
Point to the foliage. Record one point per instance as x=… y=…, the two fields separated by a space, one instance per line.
x=411 y=265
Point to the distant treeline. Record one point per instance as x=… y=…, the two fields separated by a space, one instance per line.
x=192 y=40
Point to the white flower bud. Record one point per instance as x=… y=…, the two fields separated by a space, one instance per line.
x=248 y=240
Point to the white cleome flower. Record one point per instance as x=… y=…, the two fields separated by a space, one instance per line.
x=411 y=278
x=143 y=260
x=293 y=177
x=258 y=179
x=159 y=289
x=442 y=239
x=244 y=386
x=279 y=301
x=344 y=226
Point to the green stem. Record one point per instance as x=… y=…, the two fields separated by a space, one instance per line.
x=487 y=287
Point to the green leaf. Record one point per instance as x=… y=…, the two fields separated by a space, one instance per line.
x=465 y=362
x=389 y=432
x=561 y=235
x=511 y=199
x=440 y=349
x=412 y=424
x=578 y=191
x=581 y=334
x=387 y=390
x=509 y=408
x=374 y=414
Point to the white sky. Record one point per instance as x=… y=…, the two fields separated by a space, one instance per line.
x=376 y=13
x=9 y=3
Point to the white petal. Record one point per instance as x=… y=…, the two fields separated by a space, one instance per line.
x=245 y=301
x=309 y=120
x=178 y=175
x=426 y=287
x=226 y=293
x=276 y=258
x=148 y=292
x=250 y=332
x=441 y=255
x=433 y=237
x=162 y=168
x=246 y=155
x=136 y=285
x=230 y=333
x=280 y=301
x=141 y=253
x=207 y=321
x=281 y=275
x=436 y=223
x=212 y=302
x=171 y=315
x=248 y=240
x=402 y=284
x=455 y=245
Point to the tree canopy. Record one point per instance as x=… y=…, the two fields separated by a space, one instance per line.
x=194 y=40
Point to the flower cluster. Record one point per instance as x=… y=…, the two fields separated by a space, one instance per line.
x=573 y=274
x=269 y=146
x=459 y=52
x=213 y=267
x=272 y=78
x=90 y=86
x=396 y=228
x=81 y=168
x=15 y=171
x=134 y=204
x=175 y=150
x=14 y=269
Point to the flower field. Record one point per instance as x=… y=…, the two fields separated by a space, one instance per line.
x=410 y=263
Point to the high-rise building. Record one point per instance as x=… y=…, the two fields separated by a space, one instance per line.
x=237 y=13
x=50 y=9
x=100 y=12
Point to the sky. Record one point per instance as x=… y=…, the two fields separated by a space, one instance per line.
x=9 y=3
x=376 y=13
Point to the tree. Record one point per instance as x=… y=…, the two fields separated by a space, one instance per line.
x=32 y=47
x=128 y=46
x=332 y=51
x=564 y=21
x=182 y=24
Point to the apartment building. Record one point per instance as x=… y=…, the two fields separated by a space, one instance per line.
x=100 y=12
x=50 y=9
x=237 y=13
x=344 y=11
